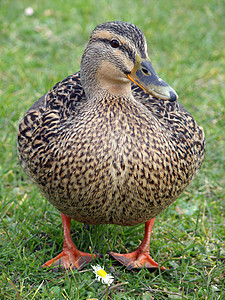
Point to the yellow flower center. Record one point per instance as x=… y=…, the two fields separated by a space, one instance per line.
x=102 y=273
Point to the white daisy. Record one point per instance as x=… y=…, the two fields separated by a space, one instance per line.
x=29 y=11
x=101 y=275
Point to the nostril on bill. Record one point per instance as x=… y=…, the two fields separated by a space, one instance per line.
x=145 y=71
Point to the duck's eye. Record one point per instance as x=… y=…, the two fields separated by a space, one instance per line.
x=114 y=43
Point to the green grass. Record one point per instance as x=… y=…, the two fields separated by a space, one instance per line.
x=186 y=45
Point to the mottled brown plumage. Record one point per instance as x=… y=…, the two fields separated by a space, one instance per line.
x=107 y=153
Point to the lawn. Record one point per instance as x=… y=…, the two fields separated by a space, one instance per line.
x=186 y=46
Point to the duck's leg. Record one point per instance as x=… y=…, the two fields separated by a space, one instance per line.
x=140 y=258
x=70 y=256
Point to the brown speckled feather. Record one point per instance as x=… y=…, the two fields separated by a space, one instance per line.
x=111 y=161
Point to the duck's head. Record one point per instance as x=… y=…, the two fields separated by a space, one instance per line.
x=116 y=54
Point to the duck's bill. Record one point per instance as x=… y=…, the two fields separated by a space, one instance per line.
x=145 y=76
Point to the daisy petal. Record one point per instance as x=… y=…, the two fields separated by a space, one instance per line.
x=101 y=275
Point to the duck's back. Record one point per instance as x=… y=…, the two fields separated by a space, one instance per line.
x=117 y=161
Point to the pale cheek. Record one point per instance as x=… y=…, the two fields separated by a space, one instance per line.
x=108 y=72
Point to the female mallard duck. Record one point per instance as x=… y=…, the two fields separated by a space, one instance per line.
x=105 y=150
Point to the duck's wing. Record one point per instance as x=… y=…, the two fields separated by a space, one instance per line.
x=49 y=112
x=178 y=124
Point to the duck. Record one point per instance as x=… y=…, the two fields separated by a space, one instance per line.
x=110 y=144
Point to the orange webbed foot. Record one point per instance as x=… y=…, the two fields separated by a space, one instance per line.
x=140 y=258
x=70 y=257
x=136 y=259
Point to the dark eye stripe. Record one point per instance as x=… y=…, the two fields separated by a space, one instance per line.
x=128 y=51
x=124 y=48
x=106 y=41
